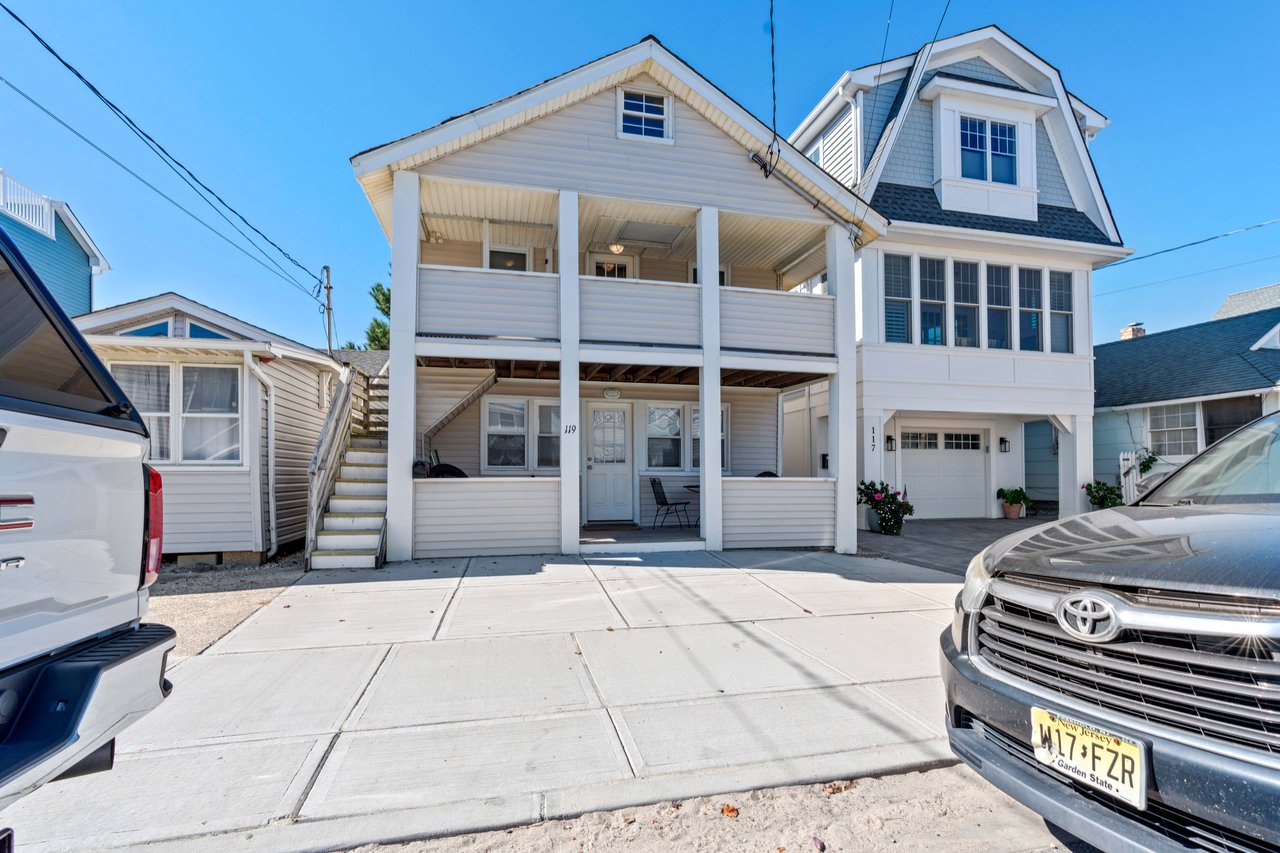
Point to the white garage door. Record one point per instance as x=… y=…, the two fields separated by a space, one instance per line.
x=944 y=473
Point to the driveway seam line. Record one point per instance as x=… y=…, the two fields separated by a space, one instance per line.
x=453 y=593
x=315 y=775
x=368 y=685
x=613 y=725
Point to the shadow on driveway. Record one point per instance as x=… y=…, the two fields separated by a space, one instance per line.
x=945 y=544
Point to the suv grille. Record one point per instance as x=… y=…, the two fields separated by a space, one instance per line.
x=1221 y=688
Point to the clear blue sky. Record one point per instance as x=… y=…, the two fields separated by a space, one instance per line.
x=267 y=101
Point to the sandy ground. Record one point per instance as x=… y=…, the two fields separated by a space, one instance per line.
x=202 y=603
x=949 y=810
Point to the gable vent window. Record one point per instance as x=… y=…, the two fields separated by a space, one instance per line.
x=643 y=114
x=995 y=155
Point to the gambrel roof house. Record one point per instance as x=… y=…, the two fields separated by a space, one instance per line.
x=234 y=412
x=1179 y=391
x=974 y=305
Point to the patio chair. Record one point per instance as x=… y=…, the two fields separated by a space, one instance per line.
x=667 y=507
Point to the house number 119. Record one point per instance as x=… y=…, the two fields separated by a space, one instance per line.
x=570 y=429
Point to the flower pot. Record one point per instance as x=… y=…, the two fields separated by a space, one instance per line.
x=1013 y=510
x=873 y=521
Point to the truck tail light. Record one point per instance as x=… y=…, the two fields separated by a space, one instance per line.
x=153 y=527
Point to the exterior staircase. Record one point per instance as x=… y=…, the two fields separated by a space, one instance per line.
x=351 y=529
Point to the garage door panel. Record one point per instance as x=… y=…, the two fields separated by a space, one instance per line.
x=945 y=483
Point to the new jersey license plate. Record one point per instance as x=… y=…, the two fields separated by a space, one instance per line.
x=1108 y=762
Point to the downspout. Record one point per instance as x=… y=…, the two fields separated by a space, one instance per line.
x=270 y=388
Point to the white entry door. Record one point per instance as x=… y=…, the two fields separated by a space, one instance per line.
x=608 y=464
x=944 y=473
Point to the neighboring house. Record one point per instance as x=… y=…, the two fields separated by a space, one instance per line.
x=1177 y=392
x=234 y=413
x=590 y=276
x=372 y=361
x=1249 y=301
x=54 y=242
x=973 y=308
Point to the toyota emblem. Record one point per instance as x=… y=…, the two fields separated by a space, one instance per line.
x=1089 y=616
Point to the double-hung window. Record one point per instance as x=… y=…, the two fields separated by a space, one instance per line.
x=897 y=299
x=933 y=301
x=1030 y=310
x=644 y=115
x=964 y=275
x=998 y=296
x=1061 y=322
x=147 y=386
x=664 y=437
x=210 y=414
x=548 y=421
x=505 y=434
x=1173 y=430
x=988 y=149
x=695 y=417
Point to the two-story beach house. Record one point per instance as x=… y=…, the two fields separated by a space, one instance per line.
x=54 y=242
x=973 y=308
x=599 y=287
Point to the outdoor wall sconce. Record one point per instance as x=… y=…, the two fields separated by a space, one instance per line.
x=1004 y=444
x=890 y=443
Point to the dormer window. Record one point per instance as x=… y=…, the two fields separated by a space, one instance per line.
x=978 y=159
x=646 y=115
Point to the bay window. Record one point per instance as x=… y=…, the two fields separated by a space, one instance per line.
x=1030 y=303
x=1061 y=321
x=505 y=439
x=998 y=307
x=933 y=301
x=897 y=299
x=147 y=386
x=964 y=275
x=210 y=413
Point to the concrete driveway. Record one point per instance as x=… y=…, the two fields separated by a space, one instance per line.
x=437 y=697
x=945 y=544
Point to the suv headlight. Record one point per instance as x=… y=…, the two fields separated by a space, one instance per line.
x=976 y=580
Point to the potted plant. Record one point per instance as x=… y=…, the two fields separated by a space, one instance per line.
x=1103 y=495
x=886 y=507
x=1014 y=500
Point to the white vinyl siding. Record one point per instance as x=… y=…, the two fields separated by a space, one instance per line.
x=776 y=321
x=641 y=312
x=298 y=424
x=486 y=515
x=456 y=301
x=770 y=512
x=208 y=510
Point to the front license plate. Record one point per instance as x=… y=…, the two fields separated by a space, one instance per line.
x=1111 y=763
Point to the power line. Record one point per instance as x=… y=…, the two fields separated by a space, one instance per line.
x=172 y=162
x=154 y=188
x=1187 y=275
x=1199 y=242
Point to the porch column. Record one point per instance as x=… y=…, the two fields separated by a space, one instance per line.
x=1075 y=464
x=710 y=497
x=570 y=434
x=402 y=364
x=871 y=454
x=842 y=410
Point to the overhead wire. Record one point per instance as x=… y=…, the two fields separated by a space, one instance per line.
x=31 y=100
x=1191 y=243
x=1097 y=295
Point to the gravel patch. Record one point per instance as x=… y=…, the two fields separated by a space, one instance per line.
x=202 y=602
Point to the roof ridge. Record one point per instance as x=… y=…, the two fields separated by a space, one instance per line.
x=1162 y=332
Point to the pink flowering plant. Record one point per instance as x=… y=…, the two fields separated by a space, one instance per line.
x=888 y=503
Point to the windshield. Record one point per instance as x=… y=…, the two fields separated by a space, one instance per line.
x=1242 y=468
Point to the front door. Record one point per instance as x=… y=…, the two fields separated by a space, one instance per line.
x=608 y=462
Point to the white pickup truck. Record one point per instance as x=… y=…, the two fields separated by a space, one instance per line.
x=80 y=525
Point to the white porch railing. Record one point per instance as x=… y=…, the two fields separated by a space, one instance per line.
x=783 y=512
x=486 y=515
x=26 y=205
x=1129 y=476
x=475 y=302
x=777 y=321
x=638 y=311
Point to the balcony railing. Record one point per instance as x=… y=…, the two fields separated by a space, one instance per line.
x=777 y=321
x=26 y=205
x=473 y=302
x=635 y=311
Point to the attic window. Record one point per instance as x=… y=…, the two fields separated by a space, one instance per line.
x=644 y=114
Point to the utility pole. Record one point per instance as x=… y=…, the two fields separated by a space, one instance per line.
x=328 y=309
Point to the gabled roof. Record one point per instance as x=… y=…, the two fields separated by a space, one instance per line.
x=97 y=262
x=168 y=303
x=374 y=166
x=1248 y=301
x=1215 y=357
x=371 y=361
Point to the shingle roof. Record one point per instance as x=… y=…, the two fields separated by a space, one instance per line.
x=371 y=361
x=1194 y=361
x=1246 y=302
x=920 y=204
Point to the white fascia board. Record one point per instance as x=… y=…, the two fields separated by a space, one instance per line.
x=1096 y=254
x=824 y=111
x=498 y=350
x=128 y=342
x=96 y=259
x=779 y=363
x=640 y=355
x=967 y=88
x=1094 y=121
x=1271 y=340
x=1257 y=392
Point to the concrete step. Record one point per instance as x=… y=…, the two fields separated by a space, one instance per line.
x=362 y=472
x=353 y=521
x=355 y=456
x=374 y=488
x=348 y=540
x=358 y=503
x=369 y=442
x=352 y=559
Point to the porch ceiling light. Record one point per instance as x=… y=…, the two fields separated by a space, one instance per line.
x=617 y=248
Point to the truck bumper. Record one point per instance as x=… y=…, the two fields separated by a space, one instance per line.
x=1198 y=800
x=68 y=706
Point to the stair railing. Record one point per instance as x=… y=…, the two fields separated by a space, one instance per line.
x=331 y=446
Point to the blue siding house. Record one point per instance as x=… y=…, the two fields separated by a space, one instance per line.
x=53 y=242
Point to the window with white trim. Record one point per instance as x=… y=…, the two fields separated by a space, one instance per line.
x=897 y=299
x=505 y=434
x=1174 y=430
x=999 y=294
x=933 y=302
x=664 y=437
x=988 y=150
x=151 y=330
x=210 y=414
x=695 y=418
x=1030 y=315
x=195 y=330
x=644 y=115
x=147 y=386
x=964 y=276
x=548 y=425
x=510 y=258
x=1061 y=312
x=918 y=440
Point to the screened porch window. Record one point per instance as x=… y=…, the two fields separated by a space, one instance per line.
x=1223 y=417
x=210 y=414
x=147 y=386
x=1173 y=430
x=664 y=435
x=505 y=434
